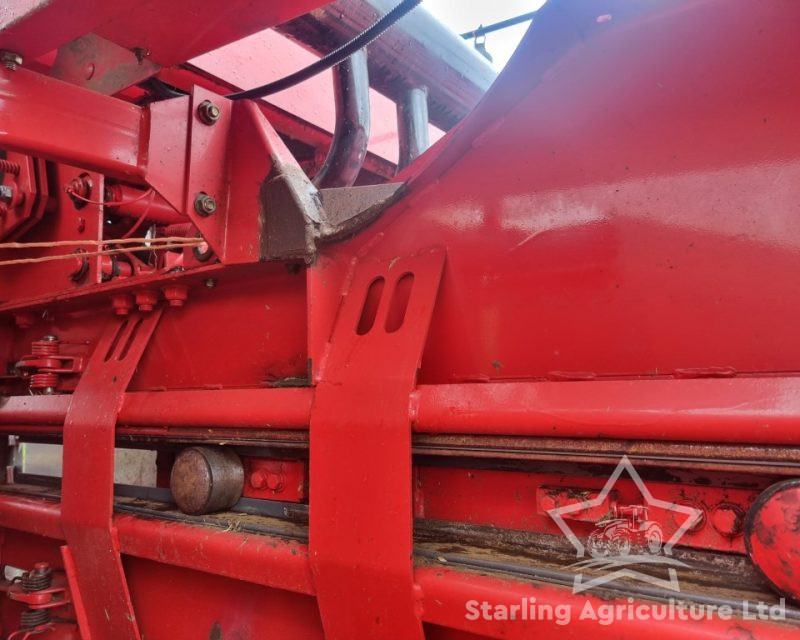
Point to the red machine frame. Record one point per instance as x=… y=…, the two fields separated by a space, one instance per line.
x=596 y=262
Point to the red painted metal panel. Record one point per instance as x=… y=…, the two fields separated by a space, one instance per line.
x=617 y=206
x=619 y=224
x=169 y=33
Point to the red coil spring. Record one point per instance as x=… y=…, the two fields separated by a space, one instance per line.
x=44 y=380
x=44 y=348
x=6 y=166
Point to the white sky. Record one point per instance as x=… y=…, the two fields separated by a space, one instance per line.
x=466 y=15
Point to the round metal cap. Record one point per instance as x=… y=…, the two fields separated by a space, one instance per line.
x=772 y=534
x=206 y=479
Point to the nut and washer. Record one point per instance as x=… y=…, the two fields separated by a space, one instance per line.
x=208 y=112
x=204 y=204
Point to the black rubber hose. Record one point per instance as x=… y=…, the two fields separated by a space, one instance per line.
x=333 y=58
x=162 y=90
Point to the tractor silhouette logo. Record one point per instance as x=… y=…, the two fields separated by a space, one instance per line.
x=627 y=539
x=628 y=528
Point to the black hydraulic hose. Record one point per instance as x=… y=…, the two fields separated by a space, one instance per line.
x=162 y=89
x=333 y=58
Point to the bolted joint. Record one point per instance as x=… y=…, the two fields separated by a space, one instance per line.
x=10 y=59
x=207 y=112
x=204 y=204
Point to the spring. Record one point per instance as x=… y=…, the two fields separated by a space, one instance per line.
x=6 y=166
x=45 y=380
x=44 y=348
x=32 y=618
x=37 y=579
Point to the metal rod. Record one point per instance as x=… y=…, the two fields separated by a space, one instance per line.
x=432 y=55
x=757 y=410
x=412 y=125
x=497 y=26
x=351 y=134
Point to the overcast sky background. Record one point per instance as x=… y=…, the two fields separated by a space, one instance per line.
x=466 y=15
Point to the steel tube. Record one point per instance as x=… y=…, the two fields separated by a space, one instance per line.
x=412 y=125
x=417 y=51
x=757 y=410
x=351 y=133
x=259 y=559
x=55 y=120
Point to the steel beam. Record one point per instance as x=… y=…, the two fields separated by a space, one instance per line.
x=58 y=121
x=758 y=410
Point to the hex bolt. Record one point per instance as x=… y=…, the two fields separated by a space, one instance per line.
x=210 y=283
x=175 y=294
x=274 y=482
x=208 y=112
x=204 y=204
x=261 y=479
x=146 y=300
x=122 y=304
x=258 y=479
x=10 y=59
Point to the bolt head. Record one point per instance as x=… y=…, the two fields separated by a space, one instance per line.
x=274 y=482
x=208 y=112
x=257 y=479
x=204 y=204
x=122 y=304
x=175 y=294
x=146 y=300
x=210 y=283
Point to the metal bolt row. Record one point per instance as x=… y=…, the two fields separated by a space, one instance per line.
x=146 y=299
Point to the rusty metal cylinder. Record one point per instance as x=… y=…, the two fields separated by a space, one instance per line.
x=206 y=479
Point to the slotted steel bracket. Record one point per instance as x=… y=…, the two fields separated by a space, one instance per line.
x=87 y=492
x=361 y=522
